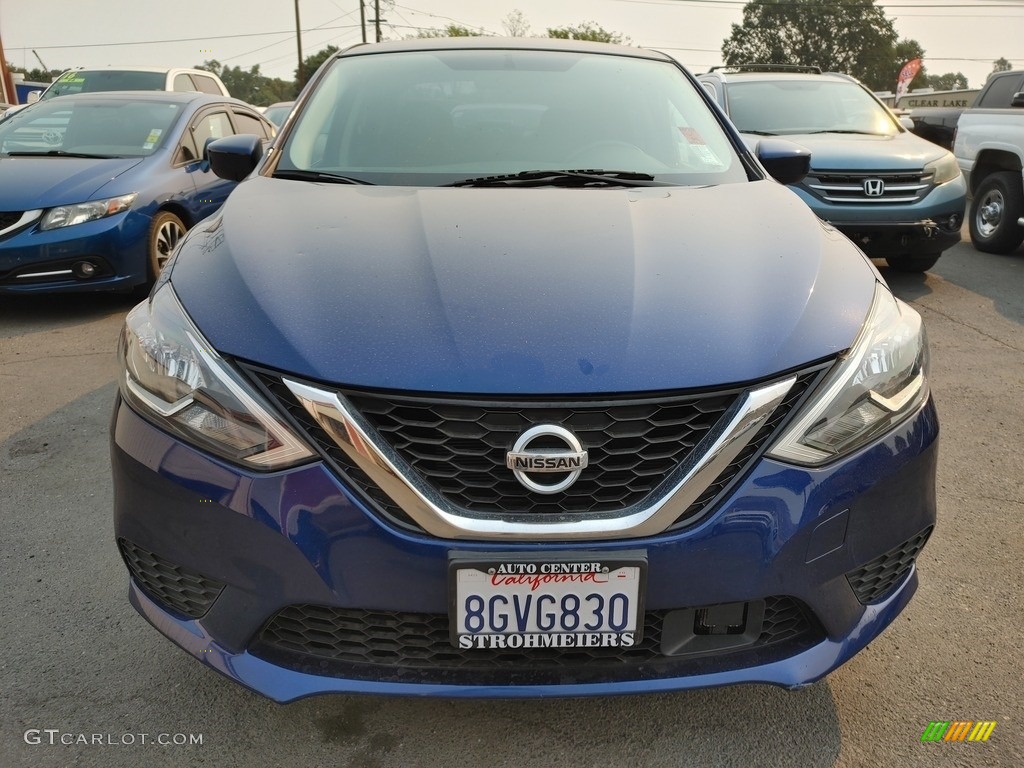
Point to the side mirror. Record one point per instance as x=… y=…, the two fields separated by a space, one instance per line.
x=33 y=97
x=787 y=162
x=906 y=122
x=1017 y=100
x=234 y=157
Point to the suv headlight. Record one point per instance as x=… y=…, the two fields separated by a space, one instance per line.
x=79 y=213
x=172 y=375
x=945 y=168
x=880 y=381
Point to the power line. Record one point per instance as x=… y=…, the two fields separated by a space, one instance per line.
x=207 y=38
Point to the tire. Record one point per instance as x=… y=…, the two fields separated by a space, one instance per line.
x=165 y=231
x=912 y=263
x=998 y=204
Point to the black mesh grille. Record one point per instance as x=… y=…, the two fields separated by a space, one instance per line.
x=873 y=581
x=383 y=645
x=183 y=591
x=459 y=445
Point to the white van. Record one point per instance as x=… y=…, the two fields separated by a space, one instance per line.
x=85 y=80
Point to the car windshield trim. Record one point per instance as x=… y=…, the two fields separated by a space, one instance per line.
x=581 y=177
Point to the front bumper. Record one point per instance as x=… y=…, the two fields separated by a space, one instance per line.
x=882 y=238
x=37 y=261
x=268 y=542
x=924 y=228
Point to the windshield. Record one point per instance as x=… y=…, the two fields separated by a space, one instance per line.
x=277 y=114
x=96 y=127
x=88 y=81
x=782 y=107
x=436 y=117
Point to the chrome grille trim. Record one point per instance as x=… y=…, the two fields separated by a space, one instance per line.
x=847 y=187
x=24 y=218
x=439 y=517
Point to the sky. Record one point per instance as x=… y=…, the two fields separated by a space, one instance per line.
x=957 y=35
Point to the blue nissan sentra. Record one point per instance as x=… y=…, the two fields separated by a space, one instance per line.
x=96 y=189
x=509 y=371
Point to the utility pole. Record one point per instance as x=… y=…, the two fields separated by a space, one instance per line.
x=376 y=21
x=7 y=90
x=298 y=41
x=362 y=17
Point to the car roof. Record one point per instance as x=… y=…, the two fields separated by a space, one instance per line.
x=739 y=76
x=502 y=43
x=134 y=68
x=171 y=97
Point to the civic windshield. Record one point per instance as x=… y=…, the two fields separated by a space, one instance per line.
x=88 y=127
x=781 y=107
x=440 y=117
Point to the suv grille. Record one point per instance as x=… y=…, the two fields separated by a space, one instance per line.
x=382 y=645
x=843 y=187
x=459 y=446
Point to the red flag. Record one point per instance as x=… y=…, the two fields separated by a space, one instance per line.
x=909 y=71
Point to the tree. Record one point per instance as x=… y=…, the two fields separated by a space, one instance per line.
x=1001 y=65
x=36 y=75
x=951 y=81
x=588 y=30
x=515 y=24
x=452 y=30
x=250 y=85
x=311 y=64
x=851 y=36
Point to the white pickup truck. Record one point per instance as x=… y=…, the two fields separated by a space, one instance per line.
x=989 y=149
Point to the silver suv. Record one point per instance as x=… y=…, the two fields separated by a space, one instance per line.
x=897 y=196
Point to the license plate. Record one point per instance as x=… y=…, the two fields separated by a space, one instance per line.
x=515 y=602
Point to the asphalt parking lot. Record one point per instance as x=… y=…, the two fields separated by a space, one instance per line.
x=81 y=670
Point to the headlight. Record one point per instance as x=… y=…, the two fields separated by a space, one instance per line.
x=945 y=168
x=172 y=375
x=79 y=213
x=881 y=381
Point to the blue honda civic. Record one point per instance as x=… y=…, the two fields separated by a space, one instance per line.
x=509 y=371
x=97 y=189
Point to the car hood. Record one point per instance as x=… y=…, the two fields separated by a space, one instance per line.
x=844 y=151
x=522 y=291
x=27 y=183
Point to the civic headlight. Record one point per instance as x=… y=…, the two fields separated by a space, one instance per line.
x=172 y=375
x=880 y=381
x=79 y=213
x=945 y=168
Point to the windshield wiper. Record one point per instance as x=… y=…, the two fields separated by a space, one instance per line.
x=758 y=133
x=845 y=130
x=334 y=178
x=61 y=153
x=580 y=178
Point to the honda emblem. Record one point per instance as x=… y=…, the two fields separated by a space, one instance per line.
x=874 y=187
